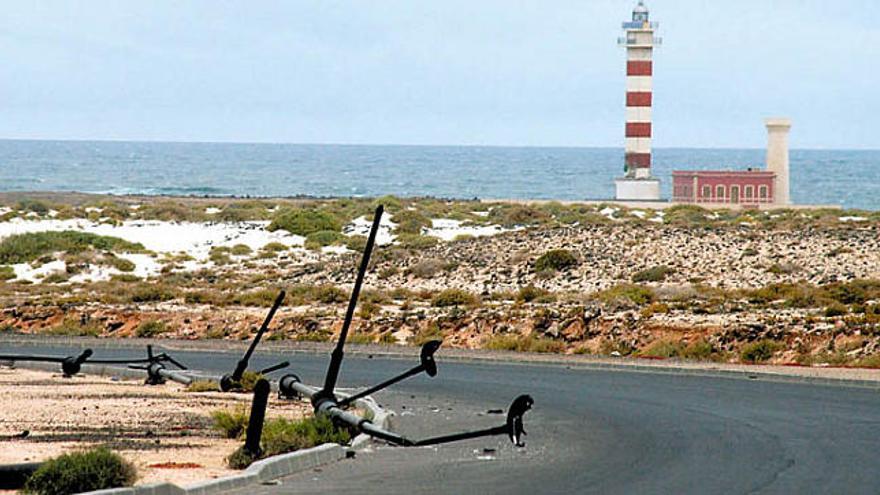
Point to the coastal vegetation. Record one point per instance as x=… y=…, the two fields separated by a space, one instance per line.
x=684 y=283
x=413 y=215
x=556 y=260
x=82 y=471
x=279 y=435
x=24 y=248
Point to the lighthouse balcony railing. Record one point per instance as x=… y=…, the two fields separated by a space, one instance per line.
x=641 y=25
x=639 y=43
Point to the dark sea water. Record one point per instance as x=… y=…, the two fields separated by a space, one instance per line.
x=849 y=178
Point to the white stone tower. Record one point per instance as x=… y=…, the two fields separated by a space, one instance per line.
x=637 y=182
x=777 y=157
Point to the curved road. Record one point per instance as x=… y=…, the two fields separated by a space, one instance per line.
x=594 y=431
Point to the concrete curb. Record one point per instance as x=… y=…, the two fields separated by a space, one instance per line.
x=259 y=472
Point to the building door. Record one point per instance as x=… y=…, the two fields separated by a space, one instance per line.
x=734 y=194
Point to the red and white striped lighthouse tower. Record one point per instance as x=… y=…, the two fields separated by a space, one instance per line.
x=637 y=182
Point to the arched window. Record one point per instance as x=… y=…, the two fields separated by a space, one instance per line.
x=762 y=192
x=719 y=192
x=707 y=192
x=749 y=192
x=734 y=194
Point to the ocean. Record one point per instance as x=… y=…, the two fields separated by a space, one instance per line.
x=844 y=177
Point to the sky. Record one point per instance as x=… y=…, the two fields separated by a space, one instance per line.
x=486 y=72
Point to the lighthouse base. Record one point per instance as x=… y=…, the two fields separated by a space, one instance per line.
x=637 y=189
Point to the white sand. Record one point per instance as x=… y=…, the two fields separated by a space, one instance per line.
x=27 y=272
x=448 y=230
x=609 y=212
x=194 y=239
x=361 y=226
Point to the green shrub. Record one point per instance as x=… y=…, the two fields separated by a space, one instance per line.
x=56 y=278
x=304 y=222
x=260 y=297
x=248 y=381
x=231 y=423
x=556 y=260
x=170 y=211
x=121 y=264
x=202 y=386
x=760 y=351
x=314 y=336
x=241 y=250
x=513 y=215
x=411 y=222
x=241 y=458
x=783 y=268
x=662 y=349
x=33 y=205
x=531 y=293
x=151 y=328
x=282 y=435
x=453 y=297
x=654 y=274
x=521 y=343
x=74 y=328
x=700 y=350
x=356 y=242
x=317 y=240
x=84 y=471
x=329 y=294
x=635 y=294
x=854 y=292
x=274 y=247
x=6 y=273
x=835 y=309
x=429 y=268
x=22 y=248
x=431 y=331
x=416 y=241
x=144 y=293
x=685 y=215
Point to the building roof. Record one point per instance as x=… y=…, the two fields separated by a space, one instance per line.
x=724 y=173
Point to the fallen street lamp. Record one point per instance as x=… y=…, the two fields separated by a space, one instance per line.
x=427 y=365
x=154 y=365
x=325 y=402
x=233 y=380
x=70 y=365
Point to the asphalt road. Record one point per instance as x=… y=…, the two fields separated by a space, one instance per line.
x=595 y=431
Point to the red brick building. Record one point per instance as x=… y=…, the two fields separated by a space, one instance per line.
x=745 y=187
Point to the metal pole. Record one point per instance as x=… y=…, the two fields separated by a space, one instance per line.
x=258 y=416
x=338 y=353
x=243 y=363
x=228 y=382
x=360 y=395
x=428 y=365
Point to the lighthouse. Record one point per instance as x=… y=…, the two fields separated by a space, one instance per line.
x=637 y=183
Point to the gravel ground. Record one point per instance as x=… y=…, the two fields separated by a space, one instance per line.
x=163 y=430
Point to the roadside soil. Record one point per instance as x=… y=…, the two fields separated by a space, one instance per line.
x=163 y=430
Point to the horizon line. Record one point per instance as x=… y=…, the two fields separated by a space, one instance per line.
x=419 y=145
